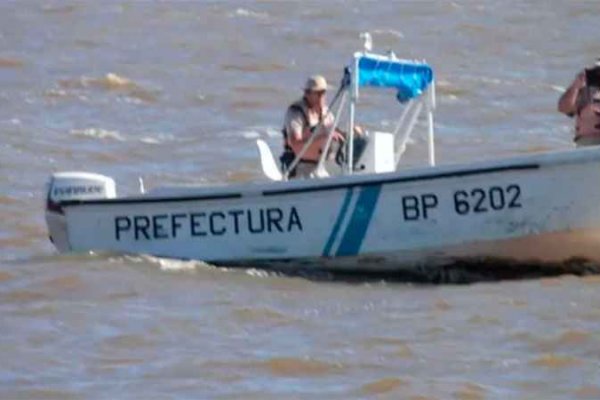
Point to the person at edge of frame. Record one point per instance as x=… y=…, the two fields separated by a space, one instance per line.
x=582 y=101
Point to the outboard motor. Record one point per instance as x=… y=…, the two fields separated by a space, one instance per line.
x=72 y=186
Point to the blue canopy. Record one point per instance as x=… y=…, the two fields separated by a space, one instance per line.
x=411 y=79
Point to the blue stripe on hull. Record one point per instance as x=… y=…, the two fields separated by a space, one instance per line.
x=359 y=222
x=338 y=222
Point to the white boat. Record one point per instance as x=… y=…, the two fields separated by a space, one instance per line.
x=372 y=217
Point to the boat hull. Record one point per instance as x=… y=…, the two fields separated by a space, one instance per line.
x=530 y=208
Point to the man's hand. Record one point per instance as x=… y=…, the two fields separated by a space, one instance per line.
x=358 y=130
x=339 y=136
x=568 y=100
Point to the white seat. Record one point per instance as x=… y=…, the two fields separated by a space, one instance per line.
x=267 y=161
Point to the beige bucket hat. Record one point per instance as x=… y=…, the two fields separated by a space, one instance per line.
x=316 y=83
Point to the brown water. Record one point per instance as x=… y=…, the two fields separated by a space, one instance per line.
x=176 y=92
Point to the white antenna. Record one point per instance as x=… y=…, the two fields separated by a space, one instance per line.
x=368 y=41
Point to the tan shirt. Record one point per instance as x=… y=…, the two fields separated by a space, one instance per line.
x=587 y=120
x=296 y=126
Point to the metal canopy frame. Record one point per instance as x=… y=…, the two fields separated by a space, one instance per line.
x=405 y=126
x=411 y=112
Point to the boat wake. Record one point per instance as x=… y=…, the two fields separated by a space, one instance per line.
x=465 y=272
x=459 y=272
x=164 y=264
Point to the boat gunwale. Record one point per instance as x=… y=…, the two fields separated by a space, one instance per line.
x=312 y=188
x=515 y=163
x=401 y=179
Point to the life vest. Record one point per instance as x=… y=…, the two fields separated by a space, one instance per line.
x=301 y=107
x=288 y=155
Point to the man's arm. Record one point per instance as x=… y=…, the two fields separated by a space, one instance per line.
x=567 y=104
x=338 y=134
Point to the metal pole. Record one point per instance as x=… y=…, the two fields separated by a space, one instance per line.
x=353 y=100
x=351 y=139
x=430 y=139
x=407 y=108
x=338 y=115
x=409 y=129
x=430 y=136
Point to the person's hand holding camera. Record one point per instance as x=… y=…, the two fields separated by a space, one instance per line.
x=580 y=81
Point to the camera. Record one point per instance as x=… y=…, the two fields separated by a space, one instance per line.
x=592 y=76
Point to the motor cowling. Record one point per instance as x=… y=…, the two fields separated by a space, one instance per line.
x=72 y=186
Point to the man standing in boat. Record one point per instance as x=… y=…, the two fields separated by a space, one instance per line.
x=582 y=101
x=304 y=119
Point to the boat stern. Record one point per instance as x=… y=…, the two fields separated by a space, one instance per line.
x=67 y=187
